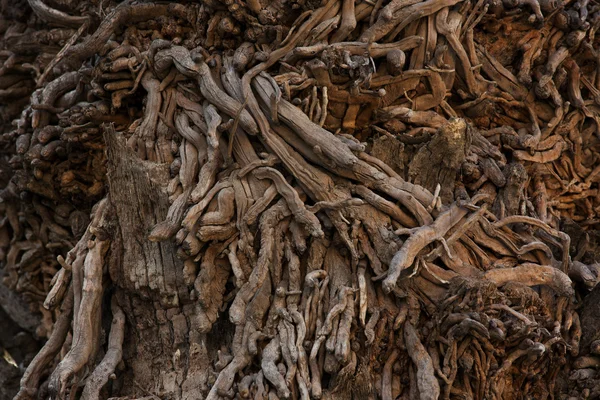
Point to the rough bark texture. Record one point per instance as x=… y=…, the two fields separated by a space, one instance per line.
x=299 y=199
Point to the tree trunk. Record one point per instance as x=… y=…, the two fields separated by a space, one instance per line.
x=165 y=353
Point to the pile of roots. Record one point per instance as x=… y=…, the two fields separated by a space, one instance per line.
x=378 y=199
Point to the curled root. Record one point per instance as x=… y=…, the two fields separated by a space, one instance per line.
x=112 y=357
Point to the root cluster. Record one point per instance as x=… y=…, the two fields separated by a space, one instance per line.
x=377 y=196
